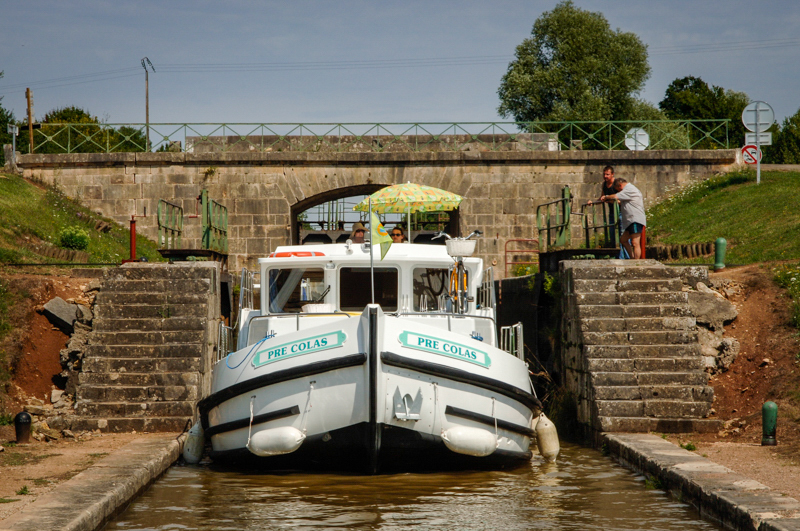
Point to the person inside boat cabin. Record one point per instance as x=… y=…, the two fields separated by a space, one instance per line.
x=397 y=235
x=358 y=232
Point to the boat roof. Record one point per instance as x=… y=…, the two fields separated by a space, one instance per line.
x=399 y=252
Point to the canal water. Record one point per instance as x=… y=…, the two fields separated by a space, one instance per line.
x=583 y=490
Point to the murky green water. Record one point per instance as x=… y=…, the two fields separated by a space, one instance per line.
x=582 y=491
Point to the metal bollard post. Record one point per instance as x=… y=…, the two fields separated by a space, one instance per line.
x=719 y=253
x=22 y=426
x=769 y=423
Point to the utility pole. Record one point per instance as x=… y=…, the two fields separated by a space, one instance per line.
x=145 y=63
x=29 y=97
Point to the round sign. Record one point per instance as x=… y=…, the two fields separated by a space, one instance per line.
x=758 y=116
x=637 y=139
x=751 y=154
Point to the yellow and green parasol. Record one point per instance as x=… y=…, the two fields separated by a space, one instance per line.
x=409 y=198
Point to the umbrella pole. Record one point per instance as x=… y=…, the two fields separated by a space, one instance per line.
x=408 y=224
x=371 y=255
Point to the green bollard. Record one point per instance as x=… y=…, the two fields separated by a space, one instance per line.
x=769 y=423
x=719 y=253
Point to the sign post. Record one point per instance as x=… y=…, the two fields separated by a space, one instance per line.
x=751 y=154
x=758 y=117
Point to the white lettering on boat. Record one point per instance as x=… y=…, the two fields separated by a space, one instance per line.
x=444 y=347
x=303 y=346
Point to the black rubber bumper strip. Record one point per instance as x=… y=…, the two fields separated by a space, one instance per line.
x=258 y=419
x=489 y=421
x=458 y=375
x=302 y=371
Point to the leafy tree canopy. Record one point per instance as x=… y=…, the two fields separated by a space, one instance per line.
x=691 y=98
x=574 y=67
x=70 y=115
x=786 y=149
x=6 y=117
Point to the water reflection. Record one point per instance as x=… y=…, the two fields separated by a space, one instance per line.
x=583 y=490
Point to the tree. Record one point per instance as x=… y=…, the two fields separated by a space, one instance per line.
x=691 y=98
x=786 y=149
x=574 y=67
x=83 y=133
x=6 y=117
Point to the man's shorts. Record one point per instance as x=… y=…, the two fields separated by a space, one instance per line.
x=634 y=228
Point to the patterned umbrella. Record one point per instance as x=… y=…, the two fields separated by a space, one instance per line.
x=410 y=197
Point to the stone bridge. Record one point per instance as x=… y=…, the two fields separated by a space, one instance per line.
x=264 y=191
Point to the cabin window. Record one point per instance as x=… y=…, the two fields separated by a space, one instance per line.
x=430 y=287
x=355 y=292
x=291 y=289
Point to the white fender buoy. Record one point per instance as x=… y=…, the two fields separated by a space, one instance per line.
x=547 y=438
x=470 y=441
x=194 y=445
x=276 y=441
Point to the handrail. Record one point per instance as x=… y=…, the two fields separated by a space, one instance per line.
x=511 y=340
x=534 y=251
x=225 y=340
x=215 y=224
x=170 y=225
x=554 y=220
x=486 y=295
x=607 y=227
x=374 y=137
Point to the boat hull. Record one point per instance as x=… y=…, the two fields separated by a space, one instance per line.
x=388 y=396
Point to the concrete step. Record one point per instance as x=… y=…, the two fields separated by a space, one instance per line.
x=688 y=350
x=649 y=378
x=694 y=393
x=616 y=311
x=156 y=285
x=123 y=298
x=139 y=424
x=182 y=337
x=653 y=270
x=140 y=364
x=170 y=273
x=665 y=425
x=632 y=297
x=616 y=285
x=644 y=364
x=664 y=337
x=644 y=324
x=144 y=351
x=652 y=408
x=139 y=378
x=169 y=324
x=161 y=310
x=140 y=409
x=119 y=393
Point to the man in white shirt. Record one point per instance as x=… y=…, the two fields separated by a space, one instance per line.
x=631 y=210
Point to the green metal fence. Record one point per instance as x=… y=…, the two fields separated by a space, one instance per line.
x=553 y=221
x=170 y=225
x=375 y=137
x=215 y=224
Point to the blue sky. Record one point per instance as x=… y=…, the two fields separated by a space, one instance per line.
x=358 y=61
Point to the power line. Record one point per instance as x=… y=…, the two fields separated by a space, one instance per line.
x=183 y=68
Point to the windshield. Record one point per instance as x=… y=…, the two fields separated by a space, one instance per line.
x=291 y=289
x=355 y=292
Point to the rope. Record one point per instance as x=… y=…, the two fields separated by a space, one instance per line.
x=250 y=428
x=308 y=407
x=243 y=359
x=496 y=438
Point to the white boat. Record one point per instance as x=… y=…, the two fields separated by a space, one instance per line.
x=323 y=378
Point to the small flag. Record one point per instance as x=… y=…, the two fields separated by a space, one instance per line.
x=379 y=235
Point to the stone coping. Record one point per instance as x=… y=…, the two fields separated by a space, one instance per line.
x=92 y=498
x=713 y=156
x=719 y=494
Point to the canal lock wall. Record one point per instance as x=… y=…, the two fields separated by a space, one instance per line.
x=148 y=357
x=629 y=357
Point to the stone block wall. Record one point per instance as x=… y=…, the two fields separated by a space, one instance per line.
x=260 y=190
x=150 y=352
x=630 y=355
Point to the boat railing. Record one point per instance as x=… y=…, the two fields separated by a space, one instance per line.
x=511 y=340
x=224 y=342
x=441 y=314
x=486 y=295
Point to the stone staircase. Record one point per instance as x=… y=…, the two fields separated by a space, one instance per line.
x=631 y=355
x=149 y=354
